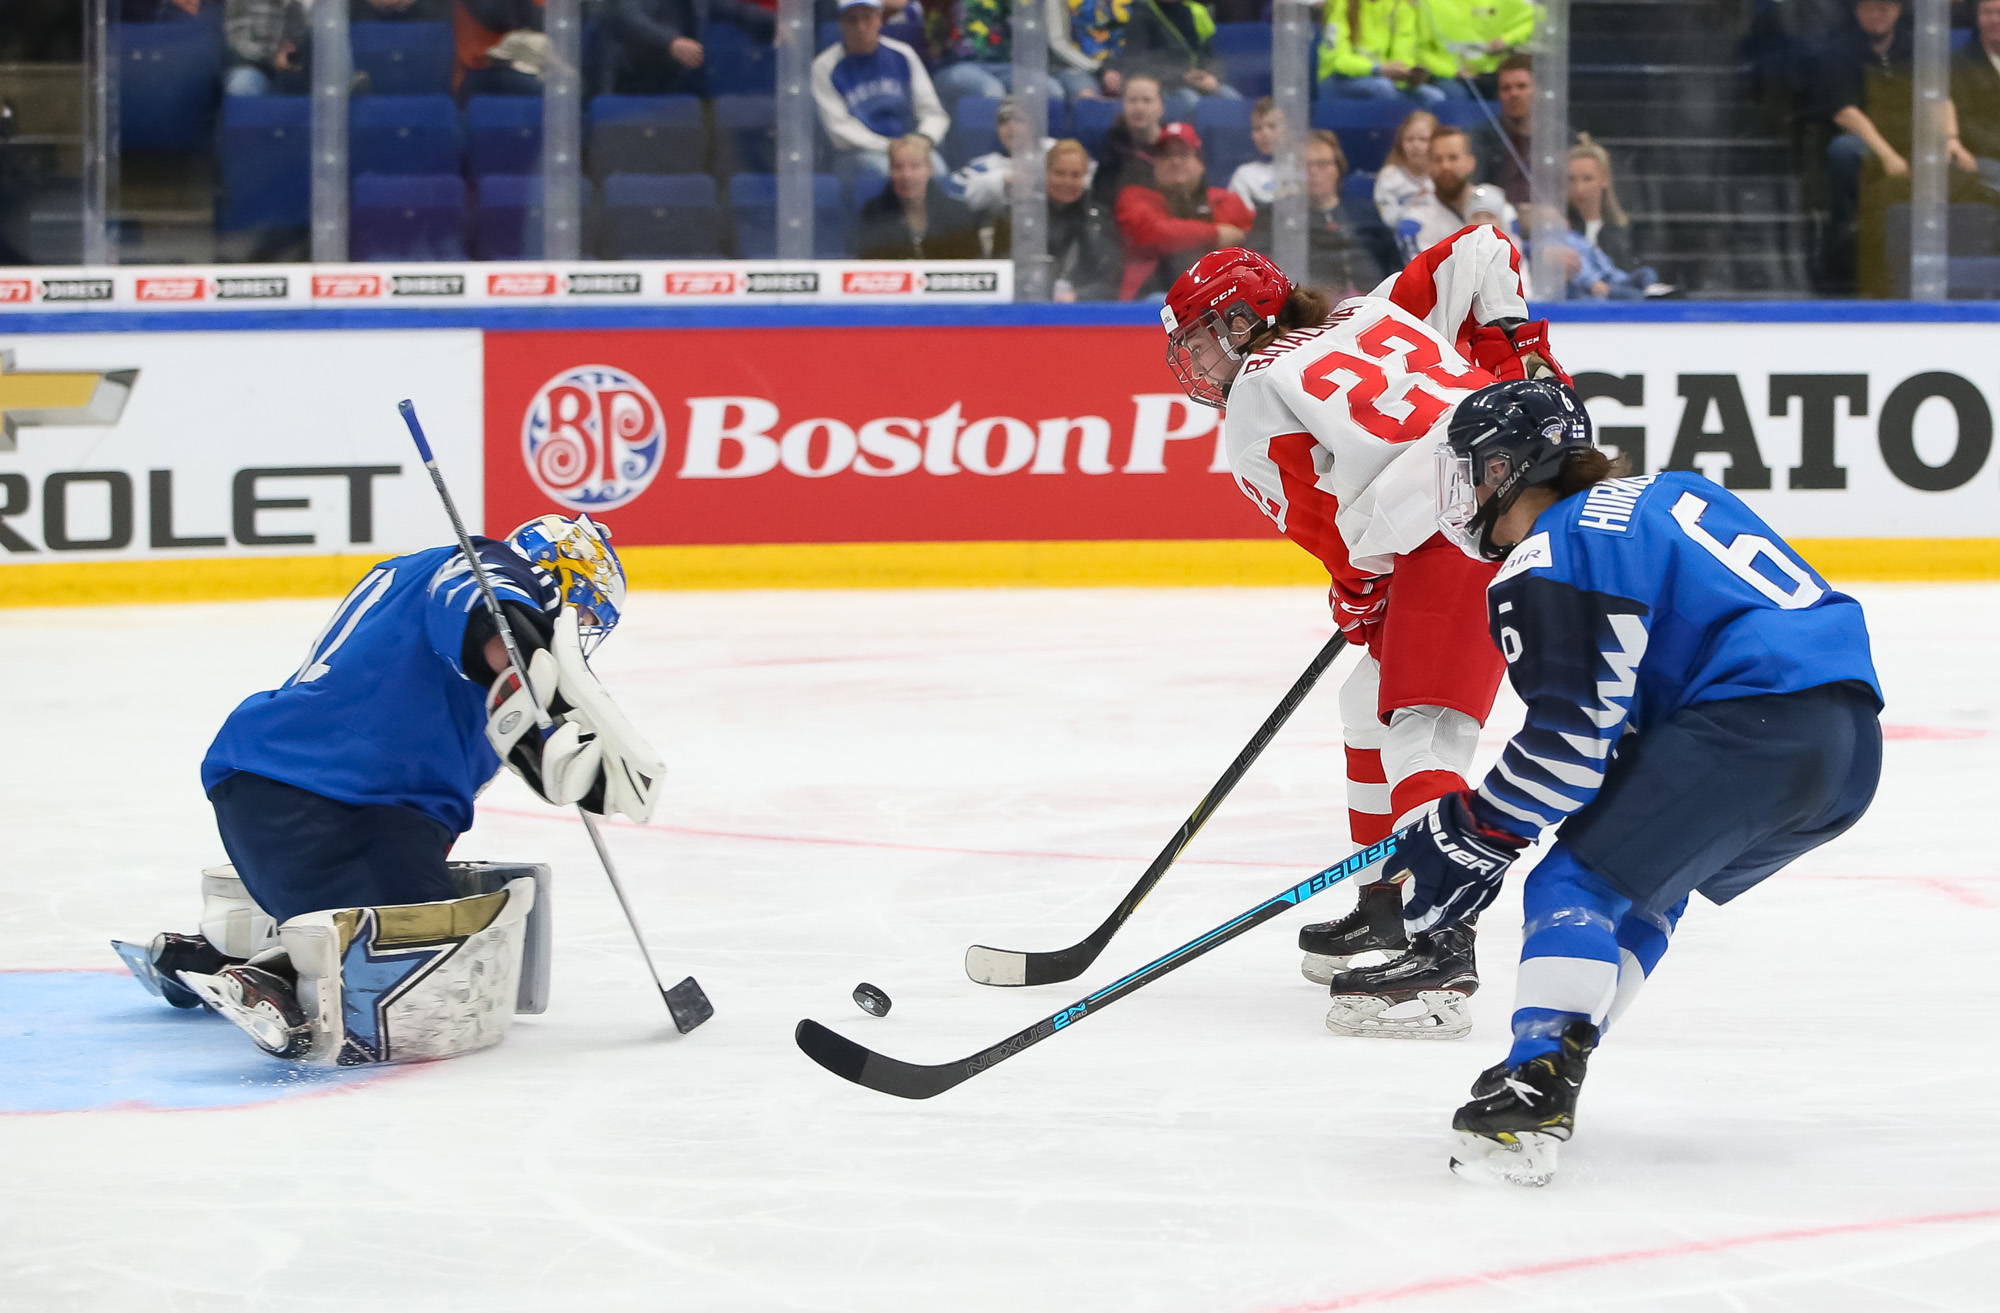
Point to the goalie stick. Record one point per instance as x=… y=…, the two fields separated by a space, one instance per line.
x=685 y=1002
x=909 y=1080
x=1004 y=966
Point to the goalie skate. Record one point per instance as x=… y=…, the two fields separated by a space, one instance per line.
x=262 y=1003
x=1374 y=926
x=1421 y=995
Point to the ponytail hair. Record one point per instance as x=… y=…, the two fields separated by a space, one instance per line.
x=1306 y=307
x=1587 y=469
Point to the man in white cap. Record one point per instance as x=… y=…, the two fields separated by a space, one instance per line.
x=872 y=90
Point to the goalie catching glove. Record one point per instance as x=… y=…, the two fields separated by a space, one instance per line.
x=593 y=756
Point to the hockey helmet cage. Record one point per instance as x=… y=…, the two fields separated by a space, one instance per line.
x=1211 y=310
x=587 y=572
x=1505 y=438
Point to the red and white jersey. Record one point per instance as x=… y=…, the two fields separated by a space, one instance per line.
x=1333 y=431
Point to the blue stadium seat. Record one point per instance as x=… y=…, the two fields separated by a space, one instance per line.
x=169 y=79
x=503 y=134
x=266 y=157
x=753 y=210
x=404 y=59
x=407 y=217
x=1358 y=188
x=972 y=133
x=739 y=64
x=1249 y=72
x=863 y=188
x=1093 y=118
x=1366 y=128
x=746 y=139
x=1961 y=39
x=646 y=135
x=507 y=224
x=402 y=134
x=1224 y=128
x=829 y=35
x=661 y=217
x=1237 y=38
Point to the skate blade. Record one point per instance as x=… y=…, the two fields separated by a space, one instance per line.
x=139 y=961
x=267 y=1032
x=1321 y=968
x=1531 y=1162
x=1442 y=1015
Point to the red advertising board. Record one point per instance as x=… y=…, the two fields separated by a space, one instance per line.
x=824 y=435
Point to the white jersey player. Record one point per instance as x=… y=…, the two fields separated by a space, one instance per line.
x=1334 y=418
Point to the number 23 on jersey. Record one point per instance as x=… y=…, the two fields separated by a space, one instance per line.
x=1368 y=377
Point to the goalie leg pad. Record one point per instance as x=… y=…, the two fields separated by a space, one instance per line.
x=410 y=982
x=472 y=878
x=230 y=917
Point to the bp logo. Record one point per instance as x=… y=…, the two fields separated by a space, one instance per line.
x=593 y=438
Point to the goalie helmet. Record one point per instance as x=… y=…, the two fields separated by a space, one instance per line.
x=1504 y=439
x=1211 y=311
x=587 y=571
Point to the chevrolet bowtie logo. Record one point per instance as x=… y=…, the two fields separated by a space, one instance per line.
x=48 y=397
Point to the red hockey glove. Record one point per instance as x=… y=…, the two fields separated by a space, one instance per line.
x=1358 y=608
x=1522 y=352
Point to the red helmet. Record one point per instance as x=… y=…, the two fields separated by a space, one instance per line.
x=1212 y=310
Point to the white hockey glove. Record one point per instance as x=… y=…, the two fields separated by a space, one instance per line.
x=593 y=756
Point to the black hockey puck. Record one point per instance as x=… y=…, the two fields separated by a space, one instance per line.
x=871 y=1000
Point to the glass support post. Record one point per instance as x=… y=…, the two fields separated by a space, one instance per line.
x=1547 y=222
x=1291 y=94
x=1030 y=219
x=1929 y=237
x=100 y=134
x=332 y=78
x=796 y=129
x=562 y=131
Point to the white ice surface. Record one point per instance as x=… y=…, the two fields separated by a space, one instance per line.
x=863 y=784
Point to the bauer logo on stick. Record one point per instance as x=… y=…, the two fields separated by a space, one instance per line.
x=593 y=438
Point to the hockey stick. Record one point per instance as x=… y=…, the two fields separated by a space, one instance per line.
x=909 y=1080
x=1002 y=966
x=685 y=1002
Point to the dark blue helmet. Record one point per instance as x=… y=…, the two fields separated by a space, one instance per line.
x=1505 y=438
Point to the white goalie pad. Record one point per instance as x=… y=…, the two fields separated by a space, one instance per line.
x=230 y=917
x=424 y=980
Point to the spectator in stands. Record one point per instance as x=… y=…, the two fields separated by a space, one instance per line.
x=1256 y=181
x=912 y=218
x=1177 y=219
x=986 y=183
x=268 y=42
x=146 y=11
x=872 y=91
x=1348 y=251
x=905 y=21
x=1075 y=68
x=1600 y=233
x=1173 y=41
x=1127 y=157
x=1086 y=257
x=1503 y=150
x=1368 y=51
x=1098 y=28
x=654 y=47
x=1470 y=39
x=1406 y=173
x=1430 y=217
x=982 y=55
x=498 y=44
x=1975 y=99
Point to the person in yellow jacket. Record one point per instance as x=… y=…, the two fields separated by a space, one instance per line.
x=1376 y=49
x=1466 y=39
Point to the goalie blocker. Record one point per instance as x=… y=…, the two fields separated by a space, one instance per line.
x=365 y=985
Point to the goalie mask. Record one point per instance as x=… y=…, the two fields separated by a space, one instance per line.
x=1503 y=440
x=588 y=573
x=1211 y=311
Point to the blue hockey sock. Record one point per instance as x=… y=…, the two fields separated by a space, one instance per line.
x=1569 y=953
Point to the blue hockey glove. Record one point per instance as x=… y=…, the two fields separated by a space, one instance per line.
x=1455 y=864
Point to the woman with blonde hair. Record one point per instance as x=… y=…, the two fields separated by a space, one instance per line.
x=1406 y=174
x=1600 y=233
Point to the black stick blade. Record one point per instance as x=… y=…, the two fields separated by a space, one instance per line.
x=871 y=1070
x=688 y=1005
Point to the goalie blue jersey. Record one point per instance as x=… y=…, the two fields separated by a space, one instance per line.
x=381 y=710
x=1635 y=599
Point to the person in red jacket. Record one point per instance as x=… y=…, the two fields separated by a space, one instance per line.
x=1177 y=220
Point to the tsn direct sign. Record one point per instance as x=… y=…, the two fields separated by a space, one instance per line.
x=855 y=435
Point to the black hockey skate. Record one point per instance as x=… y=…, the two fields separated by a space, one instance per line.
x=1374 y=926
x=1420 y=995
x=262 y=1002
x=1517 y=1117
x=158 y=967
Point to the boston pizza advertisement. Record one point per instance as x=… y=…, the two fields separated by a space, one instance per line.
x=855 y=435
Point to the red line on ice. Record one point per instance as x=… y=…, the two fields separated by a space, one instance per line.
x=875 y=843
x=1443 y=1285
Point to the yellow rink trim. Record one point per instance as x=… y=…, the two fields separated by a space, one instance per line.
x=1162 y=564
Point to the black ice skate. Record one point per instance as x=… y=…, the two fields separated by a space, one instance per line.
x=1374 y=926
x=1510 y=1130
x=260 y=1001
x=158 y=967
x=1420 y=995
